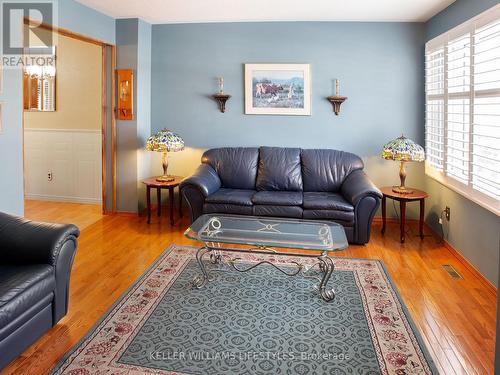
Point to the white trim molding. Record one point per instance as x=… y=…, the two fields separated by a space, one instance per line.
x=477 y=197
x=52 y=130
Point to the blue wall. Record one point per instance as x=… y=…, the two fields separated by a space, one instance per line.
x=133 y=40
x=86 y=21
x=126 y=131
x=11 y=149
x=144 y=35
x=457 y=13
x=380 y=66
x=72 y=16
x=473 y=230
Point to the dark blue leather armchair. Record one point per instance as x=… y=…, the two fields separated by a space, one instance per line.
x=35 y=265
x=285 y=182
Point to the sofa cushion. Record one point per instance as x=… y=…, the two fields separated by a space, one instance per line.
x=343 y=217
x=23 y=286
x=326 y=170
x=326 y=201
x=236 y=166
x=277 y=211
x=278 y=198
x=222 y=208
x=231 y=196
x=279 y=169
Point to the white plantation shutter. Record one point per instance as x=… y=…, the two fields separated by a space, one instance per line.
x=462 y=122
x=486 y=122
x=457 y=137
x=434 y=136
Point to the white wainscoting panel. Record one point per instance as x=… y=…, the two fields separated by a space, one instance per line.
x=74 y=159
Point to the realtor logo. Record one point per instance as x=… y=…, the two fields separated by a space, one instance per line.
x=27 y=32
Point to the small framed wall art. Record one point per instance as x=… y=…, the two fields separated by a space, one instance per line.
x=278 y=89
x=125 y=108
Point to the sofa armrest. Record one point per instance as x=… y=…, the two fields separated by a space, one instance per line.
x=30 y=242
x=205 y=179
x=63 y=267
x=196 y=188
x=365 y=197
x=25 y=241
x=357 y=186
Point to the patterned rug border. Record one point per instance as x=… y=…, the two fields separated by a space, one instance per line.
x=172 y=247
x=409 y=318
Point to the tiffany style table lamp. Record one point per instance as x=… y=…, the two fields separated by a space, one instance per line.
x=165 y=141
x=403 y=149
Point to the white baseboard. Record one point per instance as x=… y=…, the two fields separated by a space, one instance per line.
x=55 y=198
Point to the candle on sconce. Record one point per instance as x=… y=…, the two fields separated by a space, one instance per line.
x=221 y=85
x=336 y=100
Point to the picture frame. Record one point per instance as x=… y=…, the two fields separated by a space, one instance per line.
x=278 y=89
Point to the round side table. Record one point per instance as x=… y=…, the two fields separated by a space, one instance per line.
x=415 y=195
x=151 y=183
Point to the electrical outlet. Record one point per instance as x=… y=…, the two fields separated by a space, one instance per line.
x=447 y=213
x=49 y=175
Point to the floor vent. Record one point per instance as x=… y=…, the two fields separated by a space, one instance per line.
x=452 y=271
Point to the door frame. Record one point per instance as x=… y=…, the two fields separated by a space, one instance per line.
x=108 y=71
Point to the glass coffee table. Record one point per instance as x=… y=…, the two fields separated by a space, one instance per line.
x=223 y=234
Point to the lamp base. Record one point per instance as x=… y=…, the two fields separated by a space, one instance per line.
x=401 y=190
x=165 y=178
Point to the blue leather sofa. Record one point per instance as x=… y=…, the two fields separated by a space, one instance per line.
x=285 y=182
x=35 y=265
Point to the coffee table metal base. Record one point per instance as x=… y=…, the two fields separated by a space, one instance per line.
x=325 y=264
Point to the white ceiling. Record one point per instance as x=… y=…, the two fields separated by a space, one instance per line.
x=185 y=11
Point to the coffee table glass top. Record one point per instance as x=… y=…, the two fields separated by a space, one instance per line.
x=268 y=232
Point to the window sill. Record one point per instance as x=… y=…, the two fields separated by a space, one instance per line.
x=477 y=197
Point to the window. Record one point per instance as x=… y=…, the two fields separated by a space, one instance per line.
x=462 y=120
x=39 y=85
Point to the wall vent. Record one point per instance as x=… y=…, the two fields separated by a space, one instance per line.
x=452 y=271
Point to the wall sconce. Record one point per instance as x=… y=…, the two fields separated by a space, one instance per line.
x=220 y=97
x=336 y=100
x=125 y=109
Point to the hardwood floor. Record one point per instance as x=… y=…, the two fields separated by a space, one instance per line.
x=456 y=317
x=82 y=215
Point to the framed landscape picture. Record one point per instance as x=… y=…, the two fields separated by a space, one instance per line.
x=278 y=89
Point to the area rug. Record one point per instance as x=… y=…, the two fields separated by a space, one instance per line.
x=259 y=322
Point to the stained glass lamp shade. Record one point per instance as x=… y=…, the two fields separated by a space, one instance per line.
x=403 y=149
x=165 y=141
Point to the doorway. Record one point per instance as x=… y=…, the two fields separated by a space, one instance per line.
x=69 y=162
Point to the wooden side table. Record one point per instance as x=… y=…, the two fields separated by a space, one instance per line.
x=151 y=183
x=416 y=195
